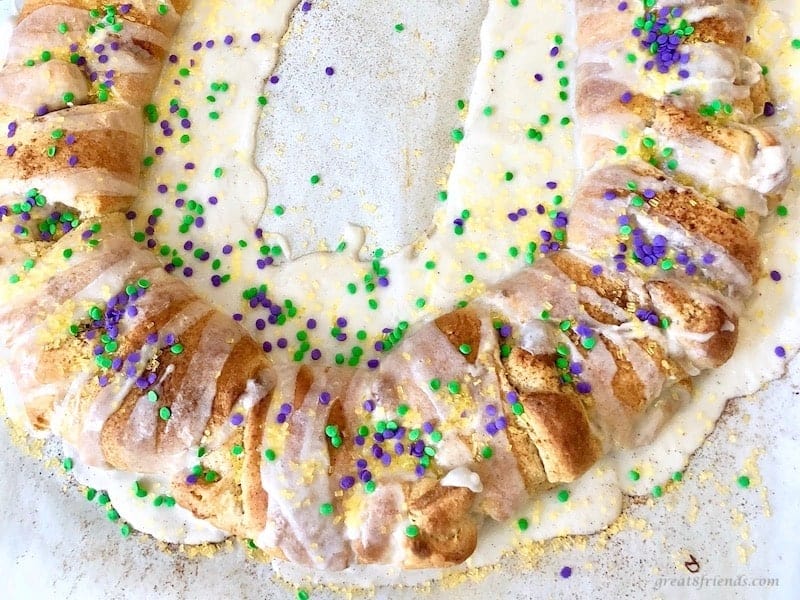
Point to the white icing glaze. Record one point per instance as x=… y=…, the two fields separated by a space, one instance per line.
x=463 y=477
x=585 y=512
x=171 y=524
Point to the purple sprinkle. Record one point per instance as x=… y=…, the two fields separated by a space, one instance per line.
x=780 y=351
x=329 y=71
x=237 y=419
x=775 y=275
x=566 y=572
x=324 y=398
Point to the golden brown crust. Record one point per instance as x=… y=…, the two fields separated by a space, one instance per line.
x=463 y=329
x=447 y=534
x=531 y=373
x=560 y=429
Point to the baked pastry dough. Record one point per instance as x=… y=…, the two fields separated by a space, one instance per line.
x=591 y=348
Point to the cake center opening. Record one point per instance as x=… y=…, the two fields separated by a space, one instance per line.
x=352 y=132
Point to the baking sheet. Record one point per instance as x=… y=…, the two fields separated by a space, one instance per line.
x=54 y=545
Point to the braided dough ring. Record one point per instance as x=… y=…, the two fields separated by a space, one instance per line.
x=580 y=354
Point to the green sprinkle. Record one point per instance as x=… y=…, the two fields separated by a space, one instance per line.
x=125 y=530
x=465 y=349
x=535 y=134
x=633 y=475
x=677 y=476
x=139 y=490
x=435 y=384
x=781 y=210
x=262 y=100
x=457 y=135
x=499 y=54
x=796 y=44
x=743 y=481
x=522 y=524
x=657 y=491
x=326 y=509
x=314 y=179
x=165 y=413
x=453 y=387
x=269 y=454
x=399 y=27
x=563 y=495
x=412 y=531
x=67 y=464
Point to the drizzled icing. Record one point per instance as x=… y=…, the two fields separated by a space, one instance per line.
x=601 y=473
